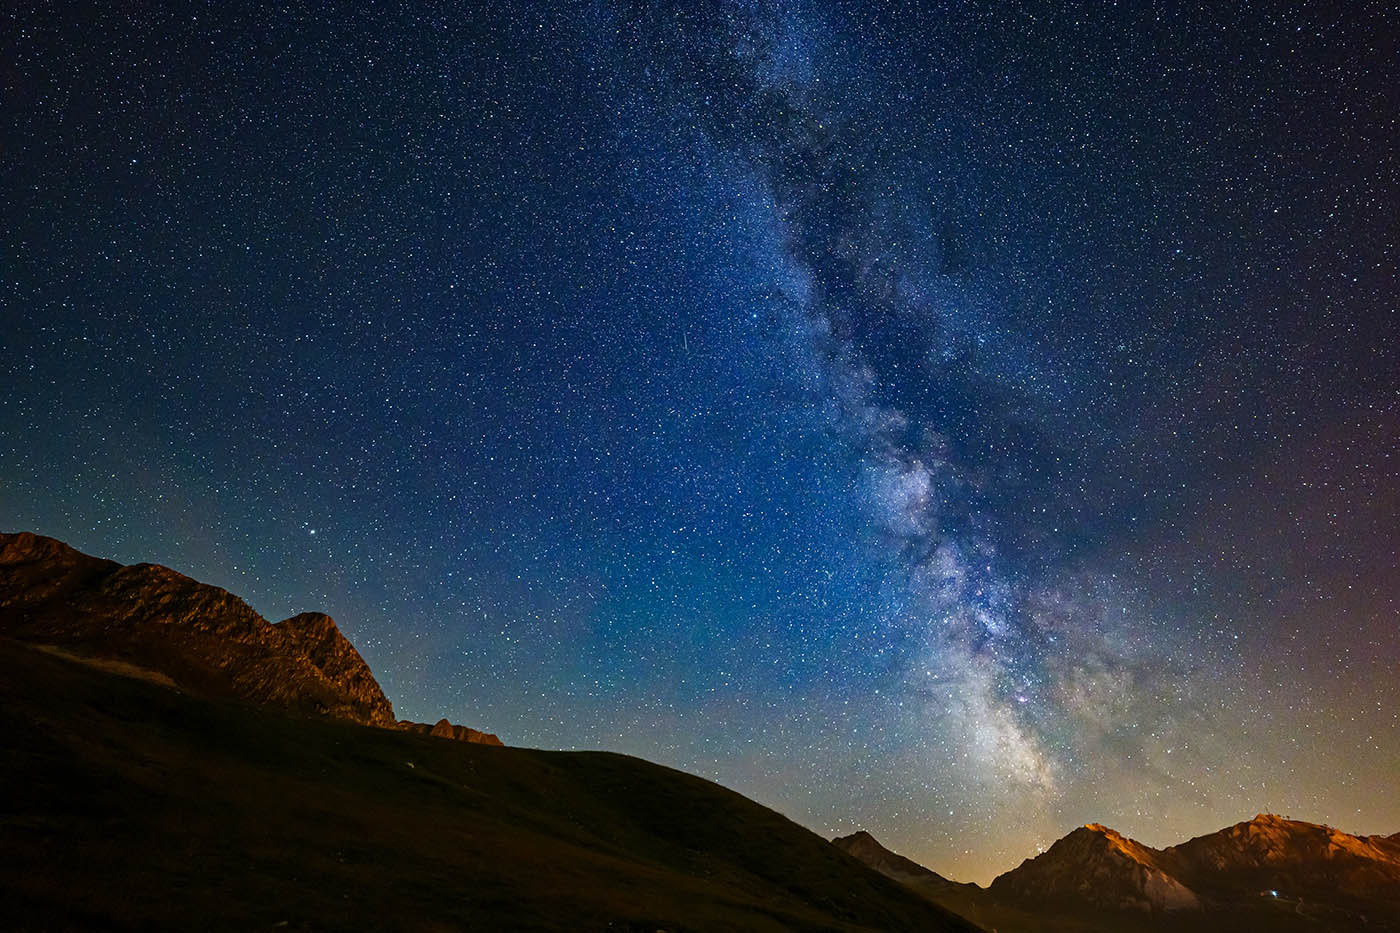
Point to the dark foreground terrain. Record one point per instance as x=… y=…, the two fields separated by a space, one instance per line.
x=129 y=804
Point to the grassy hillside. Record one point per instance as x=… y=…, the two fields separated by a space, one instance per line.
x=130 y=805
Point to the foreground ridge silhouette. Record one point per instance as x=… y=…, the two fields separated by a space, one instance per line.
x=148 y=787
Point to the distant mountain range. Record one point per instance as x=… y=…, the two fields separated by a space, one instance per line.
x=1268 y=873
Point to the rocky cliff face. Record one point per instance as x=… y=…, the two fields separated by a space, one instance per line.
x=202 y=637
x=315 y=636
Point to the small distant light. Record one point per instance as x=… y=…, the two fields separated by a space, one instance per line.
x=1274 y=893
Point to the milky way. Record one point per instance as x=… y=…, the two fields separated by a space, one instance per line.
x=960 y=421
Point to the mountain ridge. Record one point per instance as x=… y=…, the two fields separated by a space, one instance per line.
x=1268 y=872
x=1292 y=857
x=201 y=636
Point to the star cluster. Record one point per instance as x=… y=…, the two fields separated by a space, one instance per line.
x=960 y=421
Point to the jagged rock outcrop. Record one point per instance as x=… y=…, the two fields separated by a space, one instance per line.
x=1099 y=866
x=35 y=570
x=445 y=730
x=316 y=636
x=202 y=637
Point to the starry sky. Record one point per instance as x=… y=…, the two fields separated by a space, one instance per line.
x=960 y=421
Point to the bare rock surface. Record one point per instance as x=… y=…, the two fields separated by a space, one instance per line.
x=1268 y=870
x=1099 y=865
x=868 y=849
x=201 y=637
x=443 y=729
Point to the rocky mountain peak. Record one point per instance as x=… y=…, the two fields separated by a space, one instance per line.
x=27 y=546
x=1118 y=844
x=1269 y=862
x=315 y=636
x=1293 y=857
x=1097 y=864
x=865 y=847
x=202 y=637
x=861 y=844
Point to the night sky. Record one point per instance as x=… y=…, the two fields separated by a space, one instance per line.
x=959 y=421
